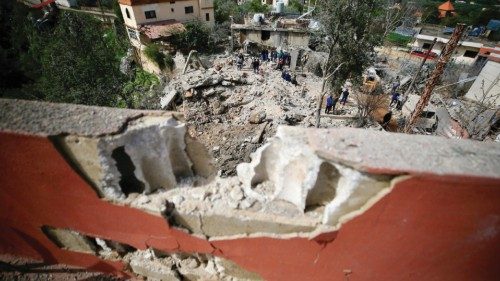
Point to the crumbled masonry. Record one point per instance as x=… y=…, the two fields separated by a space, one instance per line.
x=234 y=112
x=151 y=263
x=287 y=189
x=150 y=154
x=304 y=188
x=161 y=266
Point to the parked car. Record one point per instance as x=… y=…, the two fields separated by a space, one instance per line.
x=422 y=53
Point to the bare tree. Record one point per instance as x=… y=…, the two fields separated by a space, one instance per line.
x=397 y=13
x=368 y=104
x=477 y=117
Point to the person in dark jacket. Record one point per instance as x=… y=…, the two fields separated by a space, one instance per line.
x=394 y=99
x=345 y=94
x=329 y=104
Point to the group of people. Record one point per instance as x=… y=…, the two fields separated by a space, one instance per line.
x=331 y=101
x=281 y=57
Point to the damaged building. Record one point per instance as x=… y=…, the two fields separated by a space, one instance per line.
x=282 y=33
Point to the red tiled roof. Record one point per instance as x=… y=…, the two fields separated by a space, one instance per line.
x=447 y=6
x=43 y=4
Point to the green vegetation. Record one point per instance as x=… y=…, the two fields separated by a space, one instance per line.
x=255 y=6
x=163 y=60
x=479 y=13
x=224 y=9
x=196 y=37
x=134 y=89
x=77 y=61
x=398 y=39
x=295 y=6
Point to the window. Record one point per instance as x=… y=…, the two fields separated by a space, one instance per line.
x=132 y=34
x=470 y=54
x=426 y=46
x=127 y=12
x=150 y=14
x=207 y=16
x=189 y=10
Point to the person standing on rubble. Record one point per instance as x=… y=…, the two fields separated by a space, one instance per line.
x=400 y=102
x=394 y=99
x=395 y=85
x=274 y=55
x=345 y=94
x=239 y=61
x=280 y=64
x=255 y=65
x=329 y=104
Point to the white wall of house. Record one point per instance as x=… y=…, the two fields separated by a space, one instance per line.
x=67 y=3
x=277 y=39
x=466 y=52
x=182 y=11
x=490 y=75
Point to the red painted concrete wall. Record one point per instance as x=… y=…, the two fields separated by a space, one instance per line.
x=427 y=228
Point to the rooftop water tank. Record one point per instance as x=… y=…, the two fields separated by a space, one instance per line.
x=257 y=18
x=280 y=7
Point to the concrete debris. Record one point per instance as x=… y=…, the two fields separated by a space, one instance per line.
x=257 y=117
x=301 y=177
x=224 y=107
x=156 y=265
x=288 y=189
x=150 y=154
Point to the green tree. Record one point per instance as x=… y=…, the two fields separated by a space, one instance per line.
x=77 y=63
x=195 y=37
x=295 y=6
x=153 y=52
x=224 y=9
x=348 y=26
x=19 y=70
x=255 y=6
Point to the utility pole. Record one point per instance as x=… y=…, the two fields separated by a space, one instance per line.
x=434 y=79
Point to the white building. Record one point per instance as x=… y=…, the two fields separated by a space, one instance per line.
x=155 y=19
x=487 y=84
x=466 y=53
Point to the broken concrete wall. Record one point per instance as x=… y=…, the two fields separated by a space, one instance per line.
x=275 y=38
x=438 y=219
x=146 y=152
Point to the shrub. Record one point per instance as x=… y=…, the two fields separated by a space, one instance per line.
x=154 y=53
x=195 y=37
x=398 y=39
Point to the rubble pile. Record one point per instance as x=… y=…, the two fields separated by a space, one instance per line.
x=157 y=265
x=233 y=111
